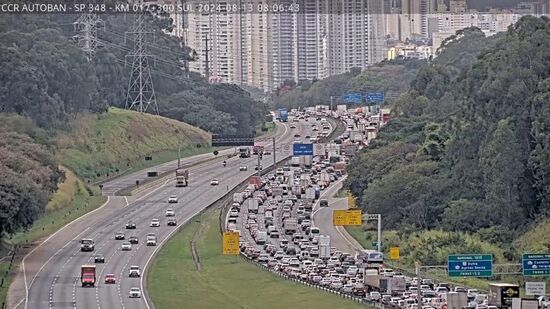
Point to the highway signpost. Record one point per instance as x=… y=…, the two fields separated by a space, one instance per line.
x=302 y=149
x=319 y=149
x=352 y=98
x=232 y=140
x=470 y=265
x=347 y=217
x=535 y=288
x=375 y=97
x=230 y=243
x=394 y=253
x=536 y=264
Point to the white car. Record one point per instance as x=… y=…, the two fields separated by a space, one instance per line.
x=134 y=271
x=135 y=293
x=170 y=212
x=214 y=182
x=126 y=246
x=172 y=199
x=243 y=168
x=155 y=223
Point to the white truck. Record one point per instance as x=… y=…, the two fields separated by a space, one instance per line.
x=134 y=271
x=238 y=198
x=253 y=205
x=182 y=176
x=261 y=237
x=290 y=226
x=295 y=161
x=324 y=180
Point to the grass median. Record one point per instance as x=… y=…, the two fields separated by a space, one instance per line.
x=224 y=281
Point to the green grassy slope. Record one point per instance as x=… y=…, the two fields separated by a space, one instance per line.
x=100 y=146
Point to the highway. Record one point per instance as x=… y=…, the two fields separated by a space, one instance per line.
x=51 y=272
x=322 y=218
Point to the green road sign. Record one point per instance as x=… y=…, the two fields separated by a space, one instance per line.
x=470 y=265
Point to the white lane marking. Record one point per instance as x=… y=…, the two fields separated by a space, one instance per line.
x=126 y=200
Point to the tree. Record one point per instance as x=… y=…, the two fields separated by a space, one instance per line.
x=503 y=169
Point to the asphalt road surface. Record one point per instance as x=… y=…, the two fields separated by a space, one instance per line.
x=50 y=274
x=322 y=218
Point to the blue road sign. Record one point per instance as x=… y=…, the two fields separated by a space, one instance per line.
x=302 y=149
x=375 y=97
x=470 y=265
x=536 y=264
x=352 y=98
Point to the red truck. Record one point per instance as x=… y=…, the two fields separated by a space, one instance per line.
x=255 y=180
x=257 y=149
x=87 y=275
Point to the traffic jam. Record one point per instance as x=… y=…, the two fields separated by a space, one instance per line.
x=273 y=216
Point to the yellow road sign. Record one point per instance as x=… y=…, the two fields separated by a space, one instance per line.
x=347 y=217
x=231 y=243
x=394 y=253
x=351 y=201
x=339 y=217
x=354 y=217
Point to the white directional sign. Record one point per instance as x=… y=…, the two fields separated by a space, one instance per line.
x=319 y=149
x=286 y=150
x=535 y=288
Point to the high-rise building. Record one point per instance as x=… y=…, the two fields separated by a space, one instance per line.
x=325 y=37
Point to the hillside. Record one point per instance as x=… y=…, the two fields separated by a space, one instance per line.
x=467 y=150
x=97 y=146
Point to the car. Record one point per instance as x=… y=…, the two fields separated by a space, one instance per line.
x=172 y=199
x=110 y=279
x=134 y=271
x=172 y=222
x=155 y=223
x=260 y=167
x=214 y=182
x=99 y=258
x=130 y=225
x=133 y=240
x=126 y=246
x=267 y=152
x=135 y=293
x=170 y=212
x=243 y=168
x=292 y=126
x=119 y=236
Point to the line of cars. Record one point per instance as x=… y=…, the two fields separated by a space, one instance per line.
x=88 y=272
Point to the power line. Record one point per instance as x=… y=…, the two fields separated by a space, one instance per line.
x=86 y=33
x=141 y=91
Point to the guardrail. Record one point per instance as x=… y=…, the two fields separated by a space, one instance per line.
x=356 y=299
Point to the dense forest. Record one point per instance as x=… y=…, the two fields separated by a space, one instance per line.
x=47 y=78
x=468 y=148
x=380 y=77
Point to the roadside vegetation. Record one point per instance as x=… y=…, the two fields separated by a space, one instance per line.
x=225 y=281
x=392 y=77
x=102 y=145
x=464 y=165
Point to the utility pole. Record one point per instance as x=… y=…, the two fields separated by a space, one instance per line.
x=85 y=28
x=206 y=55
x=141 y=92
x=274 y=158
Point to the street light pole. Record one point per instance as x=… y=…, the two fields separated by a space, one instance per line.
x=379 y=233
x=273 y=152
x=179 y=155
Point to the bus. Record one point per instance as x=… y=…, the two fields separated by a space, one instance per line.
x=371 y=259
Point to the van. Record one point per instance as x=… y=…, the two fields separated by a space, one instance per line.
x=314 y=231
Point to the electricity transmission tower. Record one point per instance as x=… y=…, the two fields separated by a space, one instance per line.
x=141 y=92
x=86 y=33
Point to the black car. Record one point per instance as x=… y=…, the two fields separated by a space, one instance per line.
x=99 y=259
x=134 y=240
x=130 y=225
x=119 y=236
x=172 y=222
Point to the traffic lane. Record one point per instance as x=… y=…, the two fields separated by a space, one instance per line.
x=37 y=266
x=126 y=181
x=322 y=218
x=116 y=225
